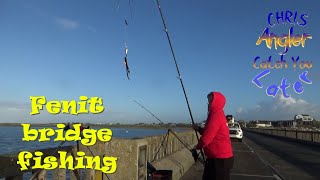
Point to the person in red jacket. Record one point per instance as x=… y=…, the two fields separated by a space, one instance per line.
x=215 y=140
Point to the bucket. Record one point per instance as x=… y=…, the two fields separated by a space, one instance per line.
x=162 y=175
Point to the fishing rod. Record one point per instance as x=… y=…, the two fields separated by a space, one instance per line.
x=94 y=156
x=185 y=144
x=54 y=152
x=164 y=138
x=167 y=135
x=148 y=111
x=177 y=68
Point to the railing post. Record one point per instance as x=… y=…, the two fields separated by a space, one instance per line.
x=285 y=132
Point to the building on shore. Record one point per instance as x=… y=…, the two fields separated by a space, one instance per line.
x=260 y=123
x=264 y=124
x=285 y=123
x=303 y=119
x=299 y=120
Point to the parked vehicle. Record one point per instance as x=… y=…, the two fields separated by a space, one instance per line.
x=230 y=118
x=235 y=131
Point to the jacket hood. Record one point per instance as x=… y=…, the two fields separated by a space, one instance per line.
x=218 y=102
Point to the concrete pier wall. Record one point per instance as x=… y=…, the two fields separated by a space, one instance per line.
x=307 y=136
x=132 y=155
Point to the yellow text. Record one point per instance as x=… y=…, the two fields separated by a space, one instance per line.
x=67 y=107
x=88 y=137
x=64 y=160
x=286 y=40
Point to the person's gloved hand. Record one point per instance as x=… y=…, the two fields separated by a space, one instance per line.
x=195 y=154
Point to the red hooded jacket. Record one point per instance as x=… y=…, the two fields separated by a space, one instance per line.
x=215 y=140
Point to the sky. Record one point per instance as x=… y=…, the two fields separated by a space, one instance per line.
x=66 y=49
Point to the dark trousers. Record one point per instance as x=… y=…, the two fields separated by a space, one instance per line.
x=217 y=169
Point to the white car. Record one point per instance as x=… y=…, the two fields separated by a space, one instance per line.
x=235 y=131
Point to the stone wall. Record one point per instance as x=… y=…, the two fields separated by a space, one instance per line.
x=132 y=155
x=308 y=136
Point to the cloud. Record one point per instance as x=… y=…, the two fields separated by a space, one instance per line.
x=67 y=23
x=280 y=108
x=19 y=112
x=70 y=24
x=13 y=106
x=13 y=111
x=91 y=29
x=63 y=22
x=240 y=110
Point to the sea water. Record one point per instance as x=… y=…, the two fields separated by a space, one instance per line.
x=11 y=138
x=11 y=141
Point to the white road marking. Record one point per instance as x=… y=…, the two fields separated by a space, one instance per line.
x=251 y=175
x=242 y=151
x=247 y=145
x=277 y=177
x=267 y=164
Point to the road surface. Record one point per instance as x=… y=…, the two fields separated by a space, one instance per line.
x=264 y=157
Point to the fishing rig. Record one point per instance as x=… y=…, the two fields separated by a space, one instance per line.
x=174 y=59
x=165 y=138
x=126 y=25
x=178 y=71
x=126 y=51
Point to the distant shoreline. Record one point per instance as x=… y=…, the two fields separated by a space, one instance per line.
x=143 y=126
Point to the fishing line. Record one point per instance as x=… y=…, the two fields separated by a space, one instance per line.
x=94 y=156
x=54 y=152
x=131 y=11
x=148 y=111
x=186 y=145
x=117 y=5
x=126 y=50
x=166 y=137
x=177 y=68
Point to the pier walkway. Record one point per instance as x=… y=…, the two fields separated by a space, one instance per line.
x=266 y=157
x=263 y=154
